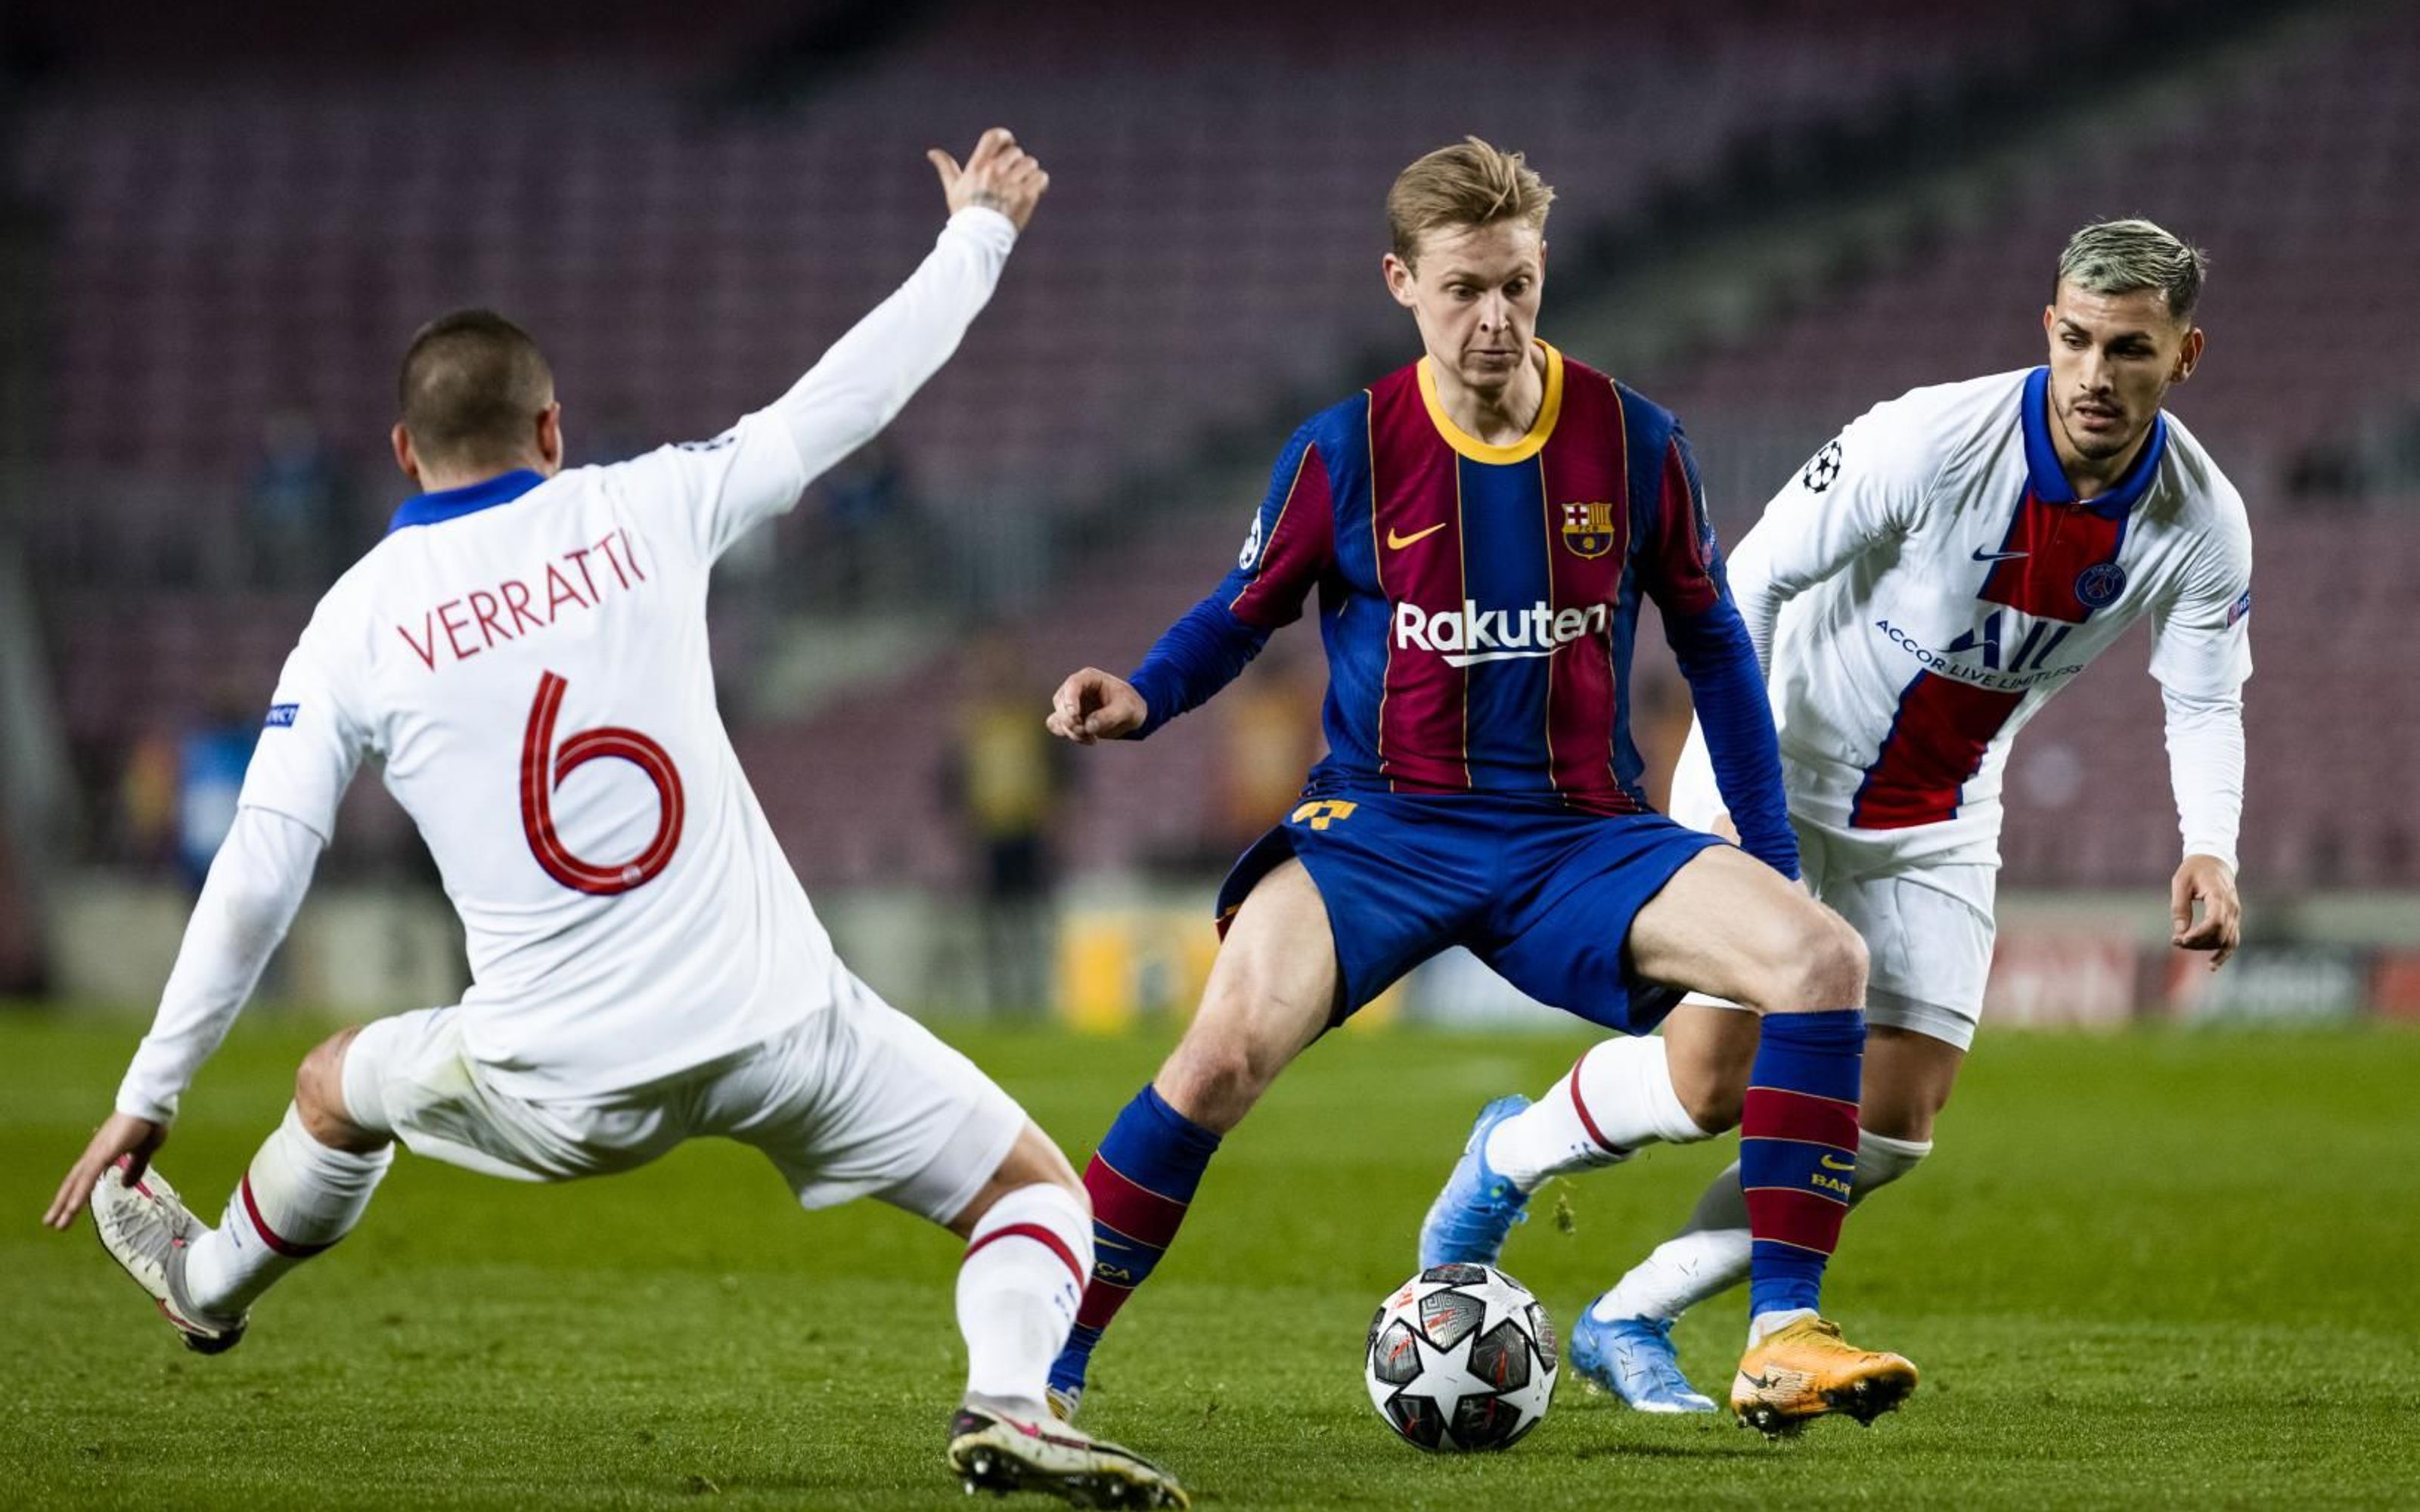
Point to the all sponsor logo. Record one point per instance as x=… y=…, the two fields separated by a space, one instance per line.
x=281 y=716
x=2003 y=670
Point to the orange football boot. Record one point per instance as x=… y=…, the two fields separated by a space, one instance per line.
x=1804 y=1370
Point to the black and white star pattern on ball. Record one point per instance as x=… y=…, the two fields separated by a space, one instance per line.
x=1446 y=1376
x=1823 y=466
x=1460 y=1357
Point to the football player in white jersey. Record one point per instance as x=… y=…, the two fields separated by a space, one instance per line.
x=526 y=650
x=1917 y=592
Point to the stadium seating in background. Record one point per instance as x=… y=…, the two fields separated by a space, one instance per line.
x=2296 y=177
x=2087 y=791
x=264 y=234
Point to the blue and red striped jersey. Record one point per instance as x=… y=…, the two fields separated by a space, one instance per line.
x=1478 y=602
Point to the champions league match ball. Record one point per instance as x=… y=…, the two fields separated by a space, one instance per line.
x=1460 y=1357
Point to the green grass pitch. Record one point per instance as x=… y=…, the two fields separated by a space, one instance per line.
x=2157 y=1269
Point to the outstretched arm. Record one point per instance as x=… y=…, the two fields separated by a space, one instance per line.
x=870 y=374
x=1197 y=657
x=309 y=748
x=256 y=884
x=759 y=468
x=1291 y=544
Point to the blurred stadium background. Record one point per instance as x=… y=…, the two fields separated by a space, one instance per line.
x=219 y=226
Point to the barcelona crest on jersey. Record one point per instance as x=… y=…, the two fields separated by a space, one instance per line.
x=1588 y=529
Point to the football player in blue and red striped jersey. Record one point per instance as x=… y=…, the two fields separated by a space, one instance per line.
x=1480 y=527
x=1949 y=562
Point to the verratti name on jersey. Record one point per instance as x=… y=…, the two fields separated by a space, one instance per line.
x=520 y=606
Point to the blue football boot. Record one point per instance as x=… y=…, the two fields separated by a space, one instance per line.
x=1634 y=1359
x=1468 y=1222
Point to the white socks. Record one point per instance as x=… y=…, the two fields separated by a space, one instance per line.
x=1026 y=1265
x=1763 y=1325
x=1710 y=1254
x=298 y=1197
x=1618 y=1097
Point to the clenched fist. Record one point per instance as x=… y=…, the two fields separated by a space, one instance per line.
x=1092 y=705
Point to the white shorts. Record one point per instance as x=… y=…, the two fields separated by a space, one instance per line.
x=856 y=1100
x=1927 y=926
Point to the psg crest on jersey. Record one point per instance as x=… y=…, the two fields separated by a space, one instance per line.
x=2098 y=586
x=1588 y=529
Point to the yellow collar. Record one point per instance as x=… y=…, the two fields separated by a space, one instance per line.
x=1478 y=450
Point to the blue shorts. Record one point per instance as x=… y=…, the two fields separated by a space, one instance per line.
x=1544 y=895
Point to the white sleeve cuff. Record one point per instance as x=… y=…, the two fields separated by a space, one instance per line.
x=990 y=224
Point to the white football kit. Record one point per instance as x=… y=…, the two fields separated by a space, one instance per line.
x=1917 y=593
x=529 y=656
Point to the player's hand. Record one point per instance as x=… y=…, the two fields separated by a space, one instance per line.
x=2210 y=882
x=999 y=175
x=123 y=1136
x=1092 y=706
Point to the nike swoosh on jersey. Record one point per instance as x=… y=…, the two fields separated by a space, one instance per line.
x=1981 y=555
x=1396 y=543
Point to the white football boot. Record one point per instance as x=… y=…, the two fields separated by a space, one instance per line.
x=146 y=1228
x=1002 y=1452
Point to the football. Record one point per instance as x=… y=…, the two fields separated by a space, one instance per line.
x=1460 y=1357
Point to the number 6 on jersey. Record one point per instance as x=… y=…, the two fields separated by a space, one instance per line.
x=540 y=778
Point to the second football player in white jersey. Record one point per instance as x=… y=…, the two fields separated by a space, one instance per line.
x=1929 y=580
x=527 y=651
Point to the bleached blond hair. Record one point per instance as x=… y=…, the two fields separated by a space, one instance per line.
x=2121 y=256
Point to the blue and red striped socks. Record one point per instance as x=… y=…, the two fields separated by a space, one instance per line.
x=1798 y=1151
x=1139 y=1182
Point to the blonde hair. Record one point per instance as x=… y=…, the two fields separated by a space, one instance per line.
x=2122 y=256
x=1467 y=184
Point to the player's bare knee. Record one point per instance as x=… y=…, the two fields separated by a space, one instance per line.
x=1036 y=1160
x=1214 y=1080
x=1709 y=1053
x=1712 y=1106
x=1249 y=1028
x=1840 y=982
x=320 y=1097
x=1823 y=966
